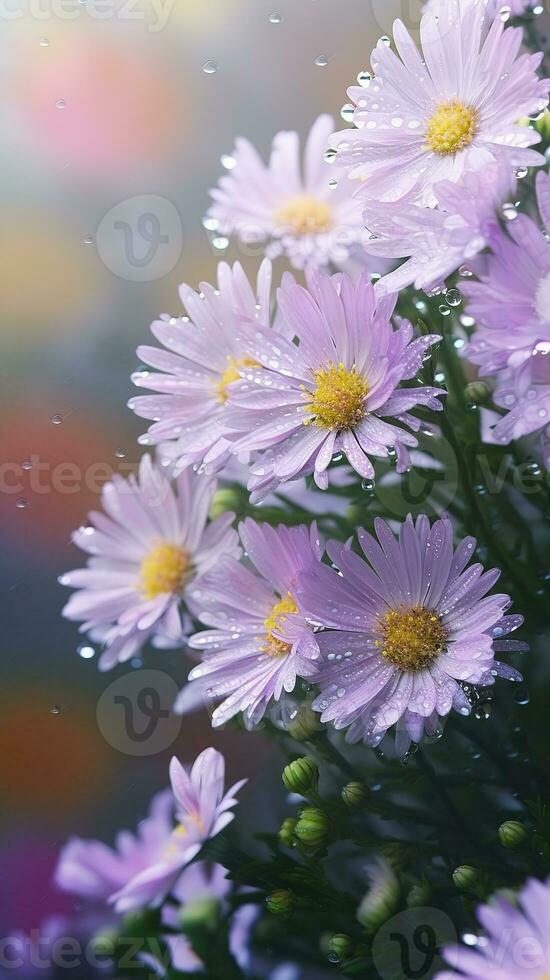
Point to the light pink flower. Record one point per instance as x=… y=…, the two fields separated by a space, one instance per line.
x=430 y=115
x=151 y=544
x=300 y=214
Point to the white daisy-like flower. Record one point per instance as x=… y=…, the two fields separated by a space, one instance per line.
x=304 y=213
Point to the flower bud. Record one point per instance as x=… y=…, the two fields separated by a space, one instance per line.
x=281 y=902
x=477 y=392
x=340 y=946
x=465 y=877
x=512 y=833
x=200 y=912
x=312 y=827
x=304 y=724
x=301 y=776
x=381 y=900
x=286 y=832
x=419 y=894
x=353 y=794
x=225 y=499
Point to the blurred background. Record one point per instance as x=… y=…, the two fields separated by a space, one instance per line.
x=114 y=117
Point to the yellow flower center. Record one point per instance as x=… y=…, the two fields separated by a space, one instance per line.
x=338 y=401
x=232 y=373
x=166 y=568
x=411 y=637
x=275 y=647
x=452 y=127
x=304 y=215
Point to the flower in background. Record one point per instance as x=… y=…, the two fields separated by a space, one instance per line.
x=515 y=946
x=430 y=116
x=146 y=551
x=201 y=891
x=511 y=306
x=310 y=218
x=143 y=868
x=259 y=642
x=437 y=241
x=336 y=392
x=93 y=871
x=405 y=630
x=202 y=359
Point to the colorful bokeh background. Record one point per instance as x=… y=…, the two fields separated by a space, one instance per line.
x=112 y=132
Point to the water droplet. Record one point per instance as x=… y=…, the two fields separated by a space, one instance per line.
x=364 y=78
x=453 y=297
x=26 y=464
x=367 y=485
x=88 y=240
x=275 y=17
x=210 y=67
x=120 y=453
x=509 y=211
x=60 y=104
x=521 y=172
x=347 y=112
x=86 y=652
x=385 y=40
x=21 y=503
x=522 y=696
x=321 y=61
x=44 y=42
x=504 y=14
x=56 y=709
x=56 y=419
x=444 y=310
x=228 y=161
x=220 y=242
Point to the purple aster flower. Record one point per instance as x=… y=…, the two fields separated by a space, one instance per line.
x=431 y=115
x=198 y=885
x=406 y=628
x=515 y=945
x=201 y=360
x=259 y=642
x=511 y=306
x=337 y=391
x=437 y=241
x=146 y=551
x=144 y=868
x=308 y=217
x=93 y=871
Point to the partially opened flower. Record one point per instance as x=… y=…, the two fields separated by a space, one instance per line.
x=259 y=641
x=406 y=628
x=437 y=241
x=430 y=115
x=203 y=809
x=337 y=391
x=146 y=551
x=93 y=871
x=201 y=359
x=141 y=870
x=308 y=216
x=515 y=944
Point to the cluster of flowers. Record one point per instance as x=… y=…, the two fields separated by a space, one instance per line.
x=434 y=149
x=397 y=626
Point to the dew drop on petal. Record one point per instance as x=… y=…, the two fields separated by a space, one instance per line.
x=210 y=67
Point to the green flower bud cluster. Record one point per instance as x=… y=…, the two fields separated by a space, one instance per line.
x=312 y=827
